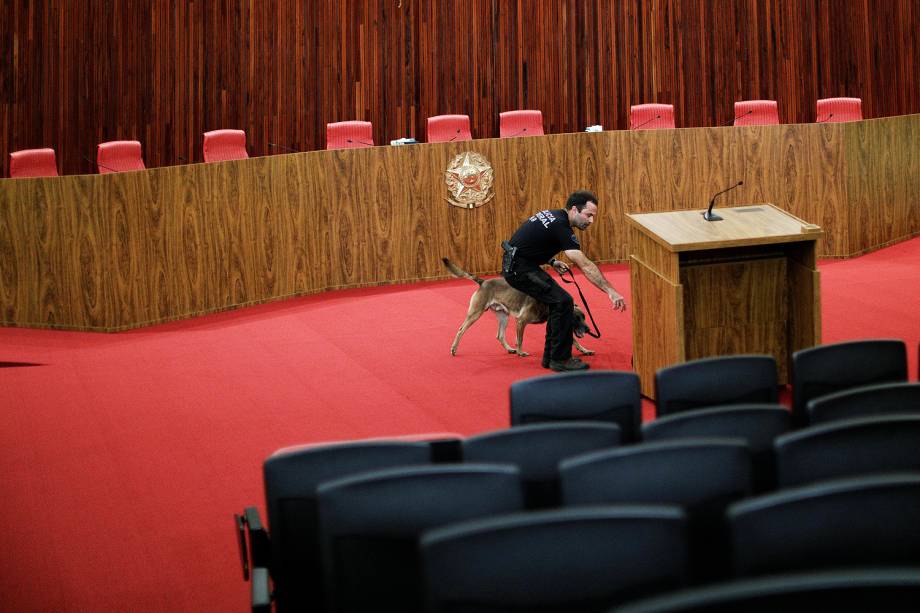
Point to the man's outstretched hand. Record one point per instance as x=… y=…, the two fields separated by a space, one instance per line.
x=619 y=304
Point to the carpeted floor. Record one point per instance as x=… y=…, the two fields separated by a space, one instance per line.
x=123 y=456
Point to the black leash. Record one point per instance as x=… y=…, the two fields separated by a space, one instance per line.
x=596 y=334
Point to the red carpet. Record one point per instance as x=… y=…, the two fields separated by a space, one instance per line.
x=123 y=456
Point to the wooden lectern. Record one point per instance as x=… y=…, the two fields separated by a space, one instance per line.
x=746 y=284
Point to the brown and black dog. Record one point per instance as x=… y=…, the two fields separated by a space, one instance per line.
x=496 y=295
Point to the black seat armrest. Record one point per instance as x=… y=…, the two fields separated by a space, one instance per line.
x=261 y=592
x=254 y=543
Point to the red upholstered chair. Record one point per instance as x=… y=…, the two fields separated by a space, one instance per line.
x=119 y=156
x=520 y=123
x=446 y=128
x=33 y=163
x=835 y=110
x=756 y=113
x=349 y=135
x=651 y=116
x=222 y=145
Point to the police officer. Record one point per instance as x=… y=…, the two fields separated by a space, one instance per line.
x=535 y=243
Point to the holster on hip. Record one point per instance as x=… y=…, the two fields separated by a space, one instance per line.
x=508 y=256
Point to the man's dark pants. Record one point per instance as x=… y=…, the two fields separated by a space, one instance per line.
x=561 y=321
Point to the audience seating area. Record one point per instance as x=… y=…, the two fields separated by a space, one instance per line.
x=222 y=145
x=724 y=503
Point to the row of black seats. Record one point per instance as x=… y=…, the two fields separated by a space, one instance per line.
x=335 y=502
x=349 y=534
x=816 y=373
x=366 y=525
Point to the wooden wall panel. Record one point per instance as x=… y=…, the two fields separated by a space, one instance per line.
x=164 y=71
x=882 y=187
x=121 y=250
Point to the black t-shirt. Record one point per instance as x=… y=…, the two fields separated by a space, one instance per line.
x=543 y=236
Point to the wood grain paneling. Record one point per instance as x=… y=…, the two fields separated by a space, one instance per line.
x=126 y=249
x=657 y=341
x=165 y=71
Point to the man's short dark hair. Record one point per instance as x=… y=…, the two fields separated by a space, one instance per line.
x=579 y=199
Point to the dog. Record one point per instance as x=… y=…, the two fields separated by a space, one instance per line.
x=497 y=295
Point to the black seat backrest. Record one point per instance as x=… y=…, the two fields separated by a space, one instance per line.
x=537 y=450
x=842 y=591
x=291 y=479
x=826 y=369
x=689 y=472
x=848 y=447
x=609 y=396
x=567 y=560
x=757 y=424
x=701 y=475
x=862 y=521
x=370 y=524
x=866 y=401
x=716 y=381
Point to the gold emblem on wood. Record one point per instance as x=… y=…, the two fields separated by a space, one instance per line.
x=469 y=178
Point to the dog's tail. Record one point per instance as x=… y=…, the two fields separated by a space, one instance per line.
x=459 y=272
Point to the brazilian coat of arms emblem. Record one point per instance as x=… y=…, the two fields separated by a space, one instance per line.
x=469 y=178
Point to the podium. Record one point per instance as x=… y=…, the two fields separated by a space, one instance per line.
x=746 y=284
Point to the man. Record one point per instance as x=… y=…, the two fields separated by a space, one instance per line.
x=535 y=243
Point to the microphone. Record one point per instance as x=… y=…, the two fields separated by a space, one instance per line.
x=181 y=158
x=283 y=147
x=645 y=122
x=452 y=138
x=828 y=118
x=363 y=142
x=749 y=111
x=518 y=133
x=708 y=215
x=98 y=164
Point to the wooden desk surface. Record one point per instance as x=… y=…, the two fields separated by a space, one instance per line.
x=755 y=224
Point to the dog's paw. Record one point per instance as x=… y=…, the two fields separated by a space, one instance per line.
x=453 y=351
x=587 y=351
x=523 y=354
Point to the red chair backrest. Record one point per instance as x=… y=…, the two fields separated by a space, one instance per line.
x=756 y=113
x=119 y=156
x=349 y=135
x=520 y=123
x=33 y=163
x=835 y=110
x=651 y=116
x=222 y=145
x=445 y=128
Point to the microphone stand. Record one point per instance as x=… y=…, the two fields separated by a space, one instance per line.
x=645 y=122
x=283 y=147
x=97 y=163
x=708 y=215
x=739 y=117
